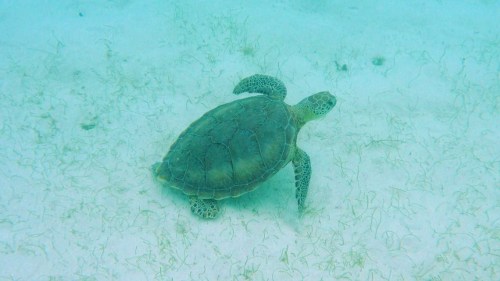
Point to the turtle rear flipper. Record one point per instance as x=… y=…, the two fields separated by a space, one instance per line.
x=204 y=208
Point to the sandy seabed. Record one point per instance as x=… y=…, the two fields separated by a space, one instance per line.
x=406 y=168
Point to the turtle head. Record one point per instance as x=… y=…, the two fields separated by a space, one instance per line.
x=315 y=106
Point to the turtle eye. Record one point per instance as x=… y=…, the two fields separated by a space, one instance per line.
x=330 y=104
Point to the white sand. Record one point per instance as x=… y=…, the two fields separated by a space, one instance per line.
x=406 y=168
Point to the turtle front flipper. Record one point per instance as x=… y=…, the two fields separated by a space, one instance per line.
x=302 y=168
x=204 y=208
x=262 y=84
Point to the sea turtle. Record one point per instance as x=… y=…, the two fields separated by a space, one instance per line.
x=233 y=148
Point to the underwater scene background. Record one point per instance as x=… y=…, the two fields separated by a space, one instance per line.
x=405 y=169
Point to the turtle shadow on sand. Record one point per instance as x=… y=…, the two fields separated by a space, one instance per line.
x=234 y=148
x=274 y=196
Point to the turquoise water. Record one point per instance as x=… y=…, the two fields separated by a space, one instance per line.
x=405 y=169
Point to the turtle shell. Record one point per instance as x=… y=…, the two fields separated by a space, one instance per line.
x=231 y=149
